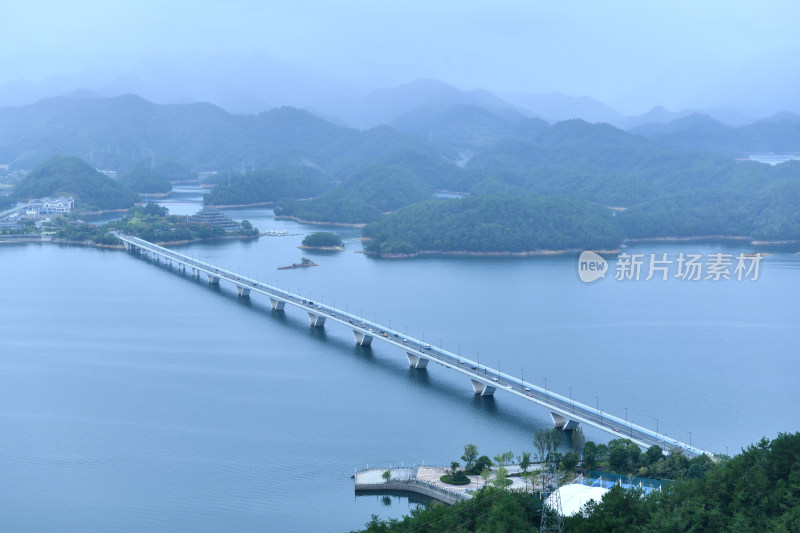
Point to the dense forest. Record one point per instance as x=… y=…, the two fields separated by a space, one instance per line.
x=265 y=186
x=322 y=239
x=756 y=490
x=495 y=223
x=70 y=176
x=363 y=198
x=146 y=180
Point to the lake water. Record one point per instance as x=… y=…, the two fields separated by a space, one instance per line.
x=133 y=397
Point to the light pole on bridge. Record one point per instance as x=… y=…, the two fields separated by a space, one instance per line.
x=546 y=396
x=570 y=399
x=690 y=438
x=597 y=404
x=656 y=425
x=522 y=372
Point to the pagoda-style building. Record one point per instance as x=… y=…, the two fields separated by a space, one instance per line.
x=216 y=218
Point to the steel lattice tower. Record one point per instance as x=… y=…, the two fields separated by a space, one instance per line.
x=552 y=521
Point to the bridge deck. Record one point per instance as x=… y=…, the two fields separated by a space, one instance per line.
x=562 y=406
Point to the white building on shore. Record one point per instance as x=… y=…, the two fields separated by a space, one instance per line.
x=51 y=206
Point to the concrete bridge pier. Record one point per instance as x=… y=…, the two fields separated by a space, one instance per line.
x=362 y=339
x=213 y=280
x=277 y=305
x=415 y=361
x=316 y=320
x=243 y=291
x=482 y=389
x=562 y=422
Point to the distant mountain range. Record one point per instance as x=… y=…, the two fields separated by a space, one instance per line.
x=125 y=132
x=778 y=133
x=256 y=83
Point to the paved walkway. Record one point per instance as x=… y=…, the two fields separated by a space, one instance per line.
x=432 y=474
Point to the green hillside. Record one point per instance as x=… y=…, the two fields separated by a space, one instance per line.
x=69 y=176
x=262 y=186
x=144 y=180
x=495 y=223
x=363 y=198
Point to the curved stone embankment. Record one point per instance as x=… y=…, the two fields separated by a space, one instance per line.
x=406 y=480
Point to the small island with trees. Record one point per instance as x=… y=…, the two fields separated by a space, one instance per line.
x=322 y=240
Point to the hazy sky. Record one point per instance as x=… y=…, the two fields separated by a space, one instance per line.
x=612 y=50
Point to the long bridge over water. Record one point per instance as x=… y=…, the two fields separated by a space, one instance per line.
x=566 y=413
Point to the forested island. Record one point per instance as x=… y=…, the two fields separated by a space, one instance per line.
x=756 y=490
x=322 y=240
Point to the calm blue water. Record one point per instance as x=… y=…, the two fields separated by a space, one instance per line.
x=136 y=398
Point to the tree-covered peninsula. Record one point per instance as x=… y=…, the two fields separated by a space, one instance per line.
x=495 y=223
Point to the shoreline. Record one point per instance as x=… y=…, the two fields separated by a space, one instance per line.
x=120 y=246
x=712 y=238
x=721 y=238
x=531 y=253
x=228 y=206
x=689 y=239
x=324 y=248
x=317 y=223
